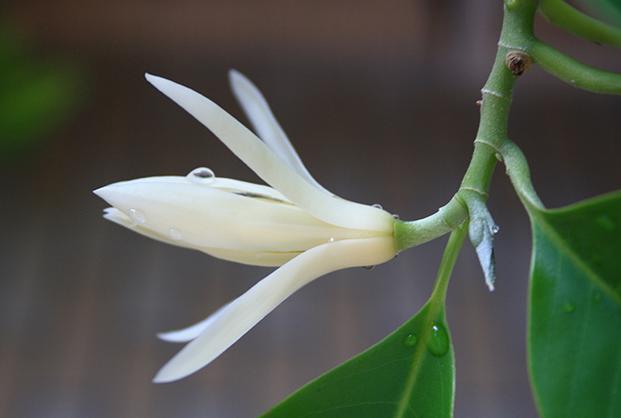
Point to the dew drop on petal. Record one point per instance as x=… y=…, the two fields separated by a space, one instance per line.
x=438 y=343
x=368 y=267
x=202 y=175
x=331 y=239
x=175 y=234
x=377 y=206
x=495 y=229
x=410 y=340
x=137 y=216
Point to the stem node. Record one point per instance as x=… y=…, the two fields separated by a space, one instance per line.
x=518 y=62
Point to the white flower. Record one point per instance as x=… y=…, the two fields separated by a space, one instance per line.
x=295 y=224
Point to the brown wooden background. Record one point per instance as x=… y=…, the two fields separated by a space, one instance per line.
x=378 y=96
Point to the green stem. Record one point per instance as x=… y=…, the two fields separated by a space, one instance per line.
x=574 y=72
x=562 y=14
x=516 y=34
x=451 y=252
x=519 y=173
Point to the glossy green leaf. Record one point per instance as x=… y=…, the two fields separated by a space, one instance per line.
x=408 y=374
x=574 y=344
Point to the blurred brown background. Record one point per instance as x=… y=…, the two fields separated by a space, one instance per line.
x=378 y=97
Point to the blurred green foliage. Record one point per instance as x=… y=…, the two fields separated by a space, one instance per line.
x=36 y=94
x=608 y=10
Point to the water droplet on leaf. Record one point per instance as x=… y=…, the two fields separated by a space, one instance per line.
x=569 y=307
x=202 y=175
x=137 y=216
x=438 y=343
x=410 y=340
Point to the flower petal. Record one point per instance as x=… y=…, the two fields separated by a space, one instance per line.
x=193 y=331
x=256 y=155
x=238 y=317
x=202 y=217
x=254 y=258
x=269 y=130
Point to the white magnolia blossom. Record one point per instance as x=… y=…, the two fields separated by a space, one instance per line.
x=295 y=224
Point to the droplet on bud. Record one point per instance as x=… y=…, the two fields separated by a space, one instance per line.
x=377 y=206
x=202 y=175
x=175 y=234
x=137 y=216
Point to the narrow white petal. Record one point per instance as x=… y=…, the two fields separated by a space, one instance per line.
x=189 y=333
x=199 y=216
x=256 y=155
x=238 y=317
x=269 y=130
x=253 y=258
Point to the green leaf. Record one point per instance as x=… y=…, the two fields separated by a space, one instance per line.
x=410 y=373
x=574 y=344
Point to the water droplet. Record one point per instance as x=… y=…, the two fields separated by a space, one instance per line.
x=175 y=234
x=438 y=343
x=368 y=267
x=137 y=216
x=201 y=175
x=377 y=206
x=495 y=229
x=569 y=307
x=396 y=216
x=331 y=239
x=410 y=340
x=605 y=222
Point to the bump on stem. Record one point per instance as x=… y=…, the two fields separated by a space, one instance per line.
x=518 y=62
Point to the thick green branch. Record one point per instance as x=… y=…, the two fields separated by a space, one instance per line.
x=574 y=72
x=516 y=35
x=561 y=14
